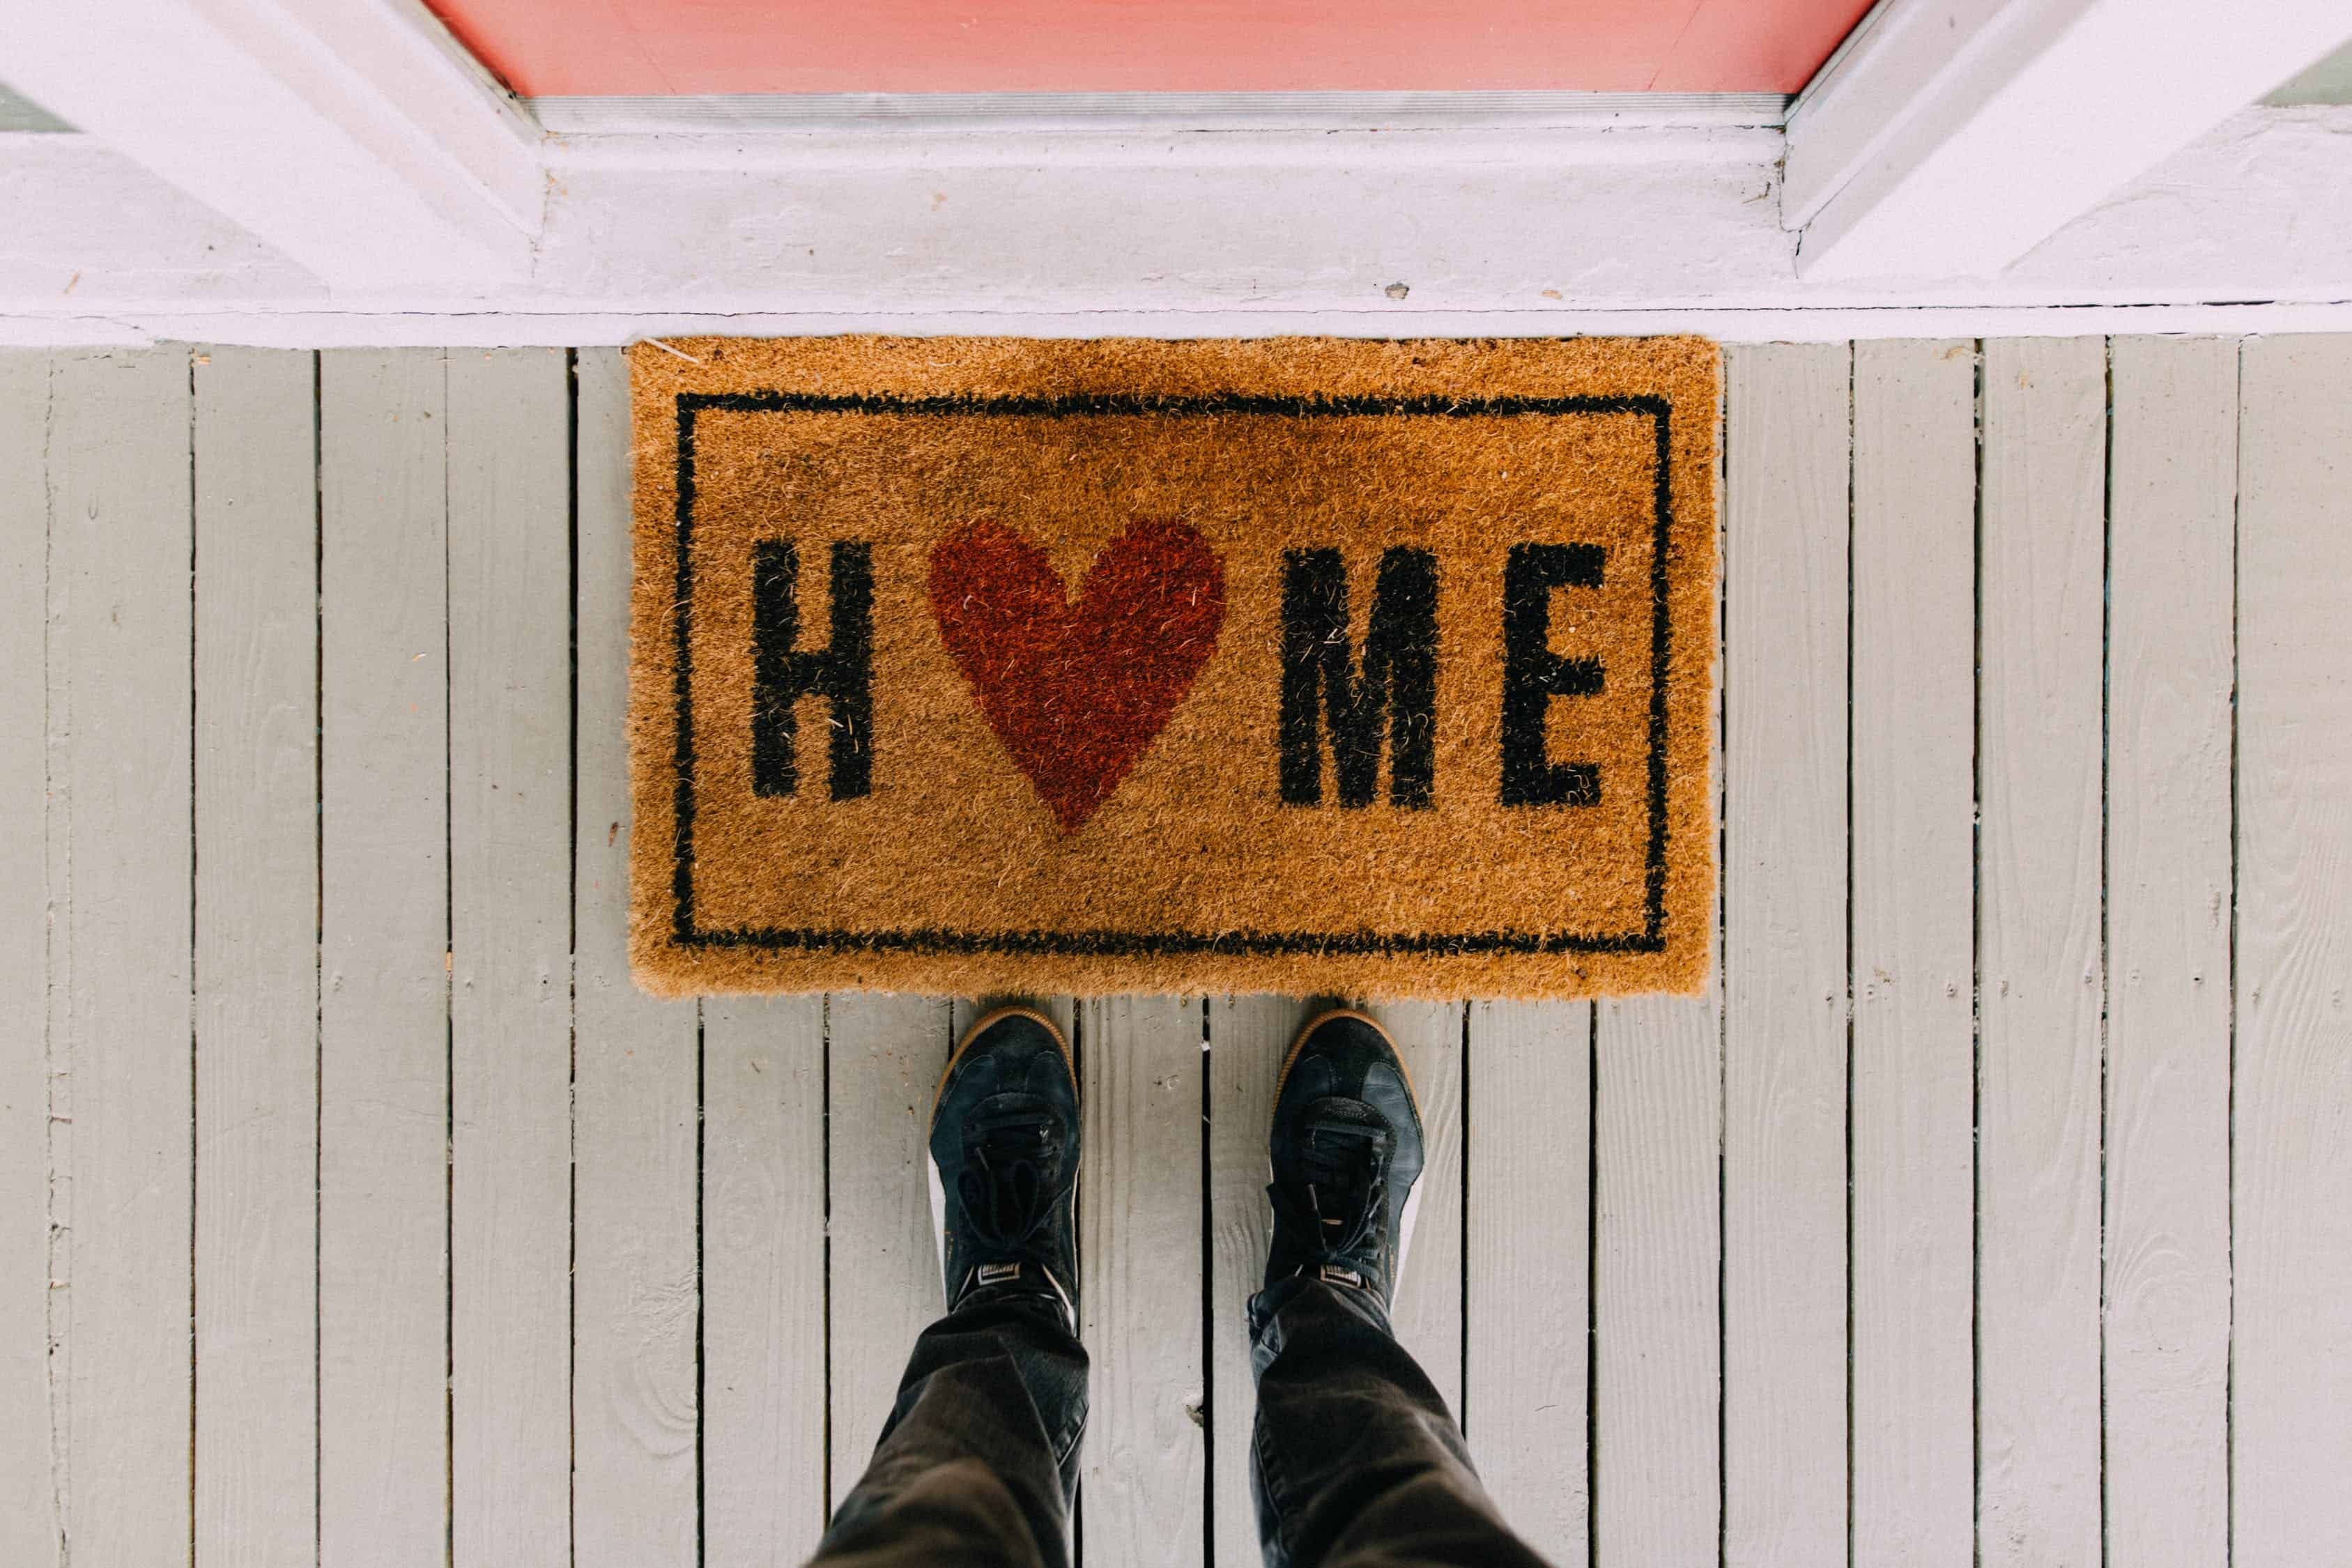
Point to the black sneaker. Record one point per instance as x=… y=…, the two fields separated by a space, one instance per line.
x=1004 y=1161
x=1345 y=1154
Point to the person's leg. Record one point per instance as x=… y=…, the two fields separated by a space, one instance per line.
x=980 y=1455
x=1355 y=1460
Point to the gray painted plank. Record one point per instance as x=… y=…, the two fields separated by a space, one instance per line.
x=2041 y=975
x=2171 y=648
x=1788 y=409
x=1144 y=1464
x=257 y=757
x=1914 y=631
x=1247 y=1038
x=1528 y=1249
x=763 y=1279
x=635 y=1288
x=121 y=1022
x=29 y=1523
x=1656 y=1366
x=2292 y=1201
x=1428 y=1308
x=883 y=1058
x=511 y=998
x=384 y=1083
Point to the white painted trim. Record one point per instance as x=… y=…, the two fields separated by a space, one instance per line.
x=1955 y=135
x=1064 y=151
x=352 y=135
x=502 y=329
x=1390 y=234
x=1833 y=68
x=875 y=112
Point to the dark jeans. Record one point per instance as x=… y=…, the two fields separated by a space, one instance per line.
x=1357 y=1463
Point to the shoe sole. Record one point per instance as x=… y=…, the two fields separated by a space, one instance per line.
x=939 y=1191
x=1412 y=1199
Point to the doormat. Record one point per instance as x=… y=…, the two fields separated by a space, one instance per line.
x=1014 y=666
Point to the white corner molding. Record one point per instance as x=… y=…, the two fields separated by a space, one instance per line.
x=1950 y=137
x=354 y=136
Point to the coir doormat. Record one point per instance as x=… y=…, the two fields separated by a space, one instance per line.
x=983 y=665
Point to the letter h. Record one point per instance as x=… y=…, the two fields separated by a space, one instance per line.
x=841 y=674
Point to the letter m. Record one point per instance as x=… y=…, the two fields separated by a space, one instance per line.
x=1390 y=698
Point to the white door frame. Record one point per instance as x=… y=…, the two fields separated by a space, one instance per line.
x=339 y=171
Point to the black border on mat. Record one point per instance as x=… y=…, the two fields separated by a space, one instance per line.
x=1651 y=938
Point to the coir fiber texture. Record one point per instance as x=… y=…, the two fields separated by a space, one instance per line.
x=997 y=665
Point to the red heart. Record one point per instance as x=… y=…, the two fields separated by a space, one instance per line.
x=1077 y=692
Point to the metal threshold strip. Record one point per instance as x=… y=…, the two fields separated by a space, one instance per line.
x=1155 y=110
x=20 y=113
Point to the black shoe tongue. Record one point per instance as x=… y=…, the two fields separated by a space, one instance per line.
x=1013 y=1126
x=1017 y=1136
x=1009 y=1191
x=1340 y=1109
x=1341 y=1151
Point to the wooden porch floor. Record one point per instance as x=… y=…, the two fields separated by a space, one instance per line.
x=1997 y=1207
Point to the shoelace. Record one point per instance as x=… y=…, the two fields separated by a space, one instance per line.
x=1342 y=1231
x=1006 y=1199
